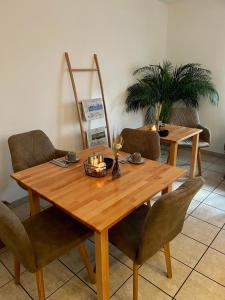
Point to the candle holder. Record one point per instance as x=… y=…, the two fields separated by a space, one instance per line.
x=95 y=166
x=95 y=171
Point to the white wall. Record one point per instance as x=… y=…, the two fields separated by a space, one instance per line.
x=196 y=33
x=35 y=91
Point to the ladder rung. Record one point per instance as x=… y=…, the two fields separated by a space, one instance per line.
x=84 y=70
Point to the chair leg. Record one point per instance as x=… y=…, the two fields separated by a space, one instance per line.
x=86 y=261
x=135 y=281
x=168 y=260
x=40 y=285
x=199 y=163
x=17 y=271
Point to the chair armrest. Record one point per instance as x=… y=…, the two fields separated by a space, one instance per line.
x=60 y=153
x=205 y=135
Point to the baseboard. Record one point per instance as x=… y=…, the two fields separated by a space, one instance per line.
x=212 y=153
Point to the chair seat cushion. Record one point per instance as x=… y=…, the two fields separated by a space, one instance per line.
x=126 y=234
x=188 y=143
x=53 y=233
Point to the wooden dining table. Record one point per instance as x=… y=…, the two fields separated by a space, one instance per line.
x=98 y=203
x=176 y=135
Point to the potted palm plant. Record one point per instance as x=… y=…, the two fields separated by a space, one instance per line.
x=164 y=85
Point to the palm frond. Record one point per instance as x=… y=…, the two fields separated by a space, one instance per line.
x=166 y=84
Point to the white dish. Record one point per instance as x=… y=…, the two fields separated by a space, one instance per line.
x=136 y=163
x=72 y=161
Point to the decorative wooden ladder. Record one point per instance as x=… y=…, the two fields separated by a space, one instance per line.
x=78 y=106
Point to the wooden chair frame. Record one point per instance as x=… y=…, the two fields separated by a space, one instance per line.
x=136 y=267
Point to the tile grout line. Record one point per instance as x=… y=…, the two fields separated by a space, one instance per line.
x=155 y=285
x=76 y=274
x=121 y=286
x=60 y=287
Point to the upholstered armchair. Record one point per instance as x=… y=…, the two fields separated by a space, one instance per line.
x=148 y=229
x=41 y=239
x=188 y=117
x=30 y=149
x=145 y=142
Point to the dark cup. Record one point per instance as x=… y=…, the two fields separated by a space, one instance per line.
x=136 y=157
x=71 y=156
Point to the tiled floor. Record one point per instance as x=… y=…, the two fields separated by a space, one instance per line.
x=198 y=256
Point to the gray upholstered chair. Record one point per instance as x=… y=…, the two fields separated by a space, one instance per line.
x=145 y=142
x=148 y=229
x=30 y=149
x=41 y=239
x=188 y=117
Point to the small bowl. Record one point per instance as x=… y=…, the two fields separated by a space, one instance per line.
x=163 y=133
x=109 y=162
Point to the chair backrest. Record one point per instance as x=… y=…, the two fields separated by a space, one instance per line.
x=145 y=142
x=184 y=116
x=30 y=149
x=165 y=219
x=15 y=238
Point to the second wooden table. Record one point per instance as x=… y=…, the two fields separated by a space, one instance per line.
x=176 y=135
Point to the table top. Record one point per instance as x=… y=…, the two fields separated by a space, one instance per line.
x=176 y=133
x=98 y=203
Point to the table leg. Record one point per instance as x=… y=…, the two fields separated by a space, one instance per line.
x=34 y=202
x=173 y=154
x=102 y=264
x=167 y=189
x=194 y=154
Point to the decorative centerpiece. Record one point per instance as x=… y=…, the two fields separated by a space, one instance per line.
x=117 y=143
x=158 y=108
x=95 y=166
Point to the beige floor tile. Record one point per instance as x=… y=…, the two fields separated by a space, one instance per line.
x=210 y=214
x=146 y=291
x=193 y=205
x=154 y=270
x=219 y=242
x=8 y=260
x=115 y=252
x=5 y=276
x=213 y=265
x=220 y=189
x=74 y=289
x=201 y=195
x=55 y=275
x=212 y=179
x=186 y=250
x=198 y=287
x=199 y=230
x=118 y=274
x=215 y=200
x=73 y=259
x=11 y=291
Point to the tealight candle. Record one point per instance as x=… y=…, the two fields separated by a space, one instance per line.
x=153 y=128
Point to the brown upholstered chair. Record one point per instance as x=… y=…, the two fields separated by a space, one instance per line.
x=41 y=239
x=188 y=117
x=148 y=229
x=30 y=149
x=145 y=142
